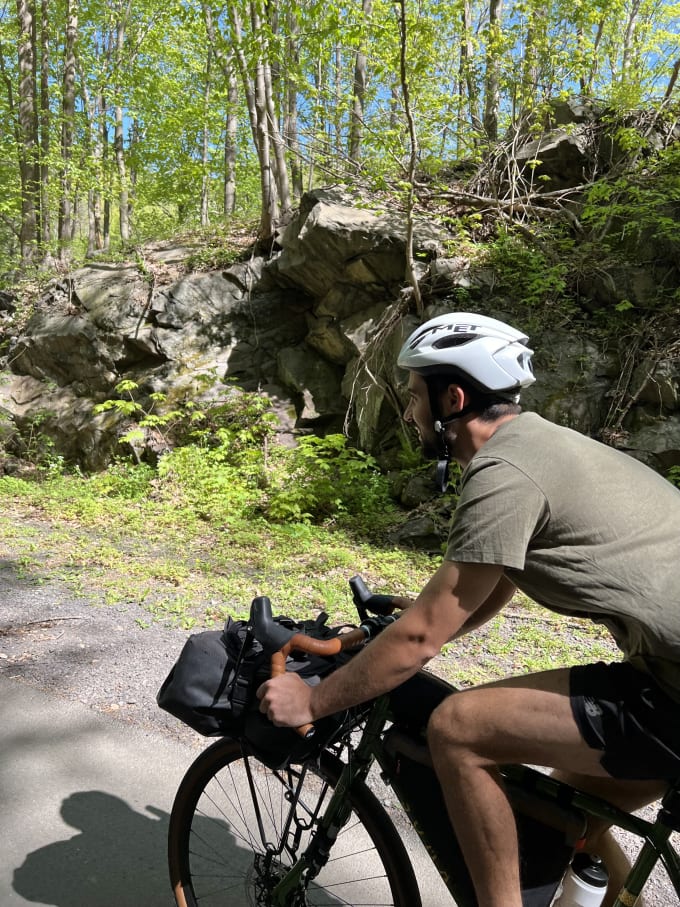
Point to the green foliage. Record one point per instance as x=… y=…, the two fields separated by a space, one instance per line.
x=527 y=272
x=213 y=255
x=324 y=478
x=144 y=416
x=172 y=87
x=38 y=447
x=636 y=213
x=321 y=480
x=225 y=465
x=673 y=476
x=123 y=480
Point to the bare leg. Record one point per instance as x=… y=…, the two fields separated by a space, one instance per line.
x=526 y=719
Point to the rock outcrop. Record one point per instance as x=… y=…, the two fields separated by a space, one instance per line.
x=315 y=325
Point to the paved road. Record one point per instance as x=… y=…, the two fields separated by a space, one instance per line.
x=84 y=801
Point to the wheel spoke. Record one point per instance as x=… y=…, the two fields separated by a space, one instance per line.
x=237 y=827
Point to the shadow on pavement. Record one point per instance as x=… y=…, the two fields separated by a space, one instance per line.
x=118 y=858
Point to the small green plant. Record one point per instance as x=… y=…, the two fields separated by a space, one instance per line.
x=526 y=271
x=144 y=415
x=123 y=480
x=673 y=476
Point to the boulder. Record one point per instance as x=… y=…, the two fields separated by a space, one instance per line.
x=331 y=246
x=560 y=159
x=316 y=326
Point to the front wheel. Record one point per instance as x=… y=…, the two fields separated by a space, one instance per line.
x=237 y=826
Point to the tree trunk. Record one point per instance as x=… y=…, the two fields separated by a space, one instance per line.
x=528 y=83
x=230 y=138
x=587 y=83
x=338 y=146
x=27 y=131
x=45 y=227
x=257 y=113
x=94 y=152
x=226 y=63
x=119 y=148
x=104 y=132
x=269 y=122
x=359 y=97
x=467 y=84
x=290 y=123
x=671 y=82
x=492 y=78
x=410 y=272
x=628 y=40
x=68 y=102
x=205 y=151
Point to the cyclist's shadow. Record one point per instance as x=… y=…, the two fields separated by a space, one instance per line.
x=117 y=860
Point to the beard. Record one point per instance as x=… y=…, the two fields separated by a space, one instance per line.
x=431 y=449
x=431 y=444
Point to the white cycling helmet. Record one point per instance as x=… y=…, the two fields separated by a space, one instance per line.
x=490 y=353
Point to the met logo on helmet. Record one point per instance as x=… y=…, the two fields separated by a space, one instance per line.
x=446 y=328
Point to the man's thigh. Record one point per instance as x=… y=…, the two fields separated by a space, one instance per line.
x=520 y=719
x=598 y=720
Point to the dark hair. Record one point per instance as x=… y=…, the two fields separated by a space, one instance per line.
x=488 y=406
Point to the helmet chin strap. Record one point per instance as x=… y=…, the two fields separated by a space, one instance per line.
x=444 y=462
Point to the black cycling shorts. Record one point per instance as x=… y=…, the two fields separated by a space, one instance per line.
x=621 y=711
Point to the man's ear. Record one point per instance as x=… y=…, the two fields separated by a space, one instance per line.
x=455 y=397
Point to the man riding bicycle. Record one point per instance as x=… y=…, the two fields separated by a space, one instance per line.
x=580 y=528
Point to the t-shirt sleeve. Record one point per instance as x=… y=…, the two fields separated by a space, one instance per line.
x=499 y=511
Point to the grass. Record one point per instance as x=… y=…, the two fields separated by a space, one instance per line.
x=182 y=569
x=145 y=553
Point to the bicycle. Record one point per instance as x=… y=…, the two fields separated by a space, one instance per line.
x=250 y=825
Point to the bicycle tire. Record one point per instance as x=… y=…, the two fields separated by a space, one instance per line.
x=216 y=853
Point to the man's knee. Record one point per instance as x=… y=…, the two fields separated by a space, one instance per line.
x=450 y=724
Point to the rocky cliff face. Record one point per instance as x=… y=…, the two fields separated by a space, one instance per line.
x=315 y=325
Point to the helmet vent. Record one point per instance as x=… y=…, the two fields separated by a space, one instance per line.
x=453 y=340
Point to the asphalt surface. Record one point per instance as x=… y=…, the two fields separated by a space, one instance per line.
x=88 y=763
x=85 y=801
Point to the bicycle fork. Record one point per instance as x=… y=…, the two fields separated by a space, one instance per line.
x=337 y=812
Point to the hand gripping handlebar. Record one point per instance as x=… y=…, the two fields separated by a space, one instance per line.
x=279 y=641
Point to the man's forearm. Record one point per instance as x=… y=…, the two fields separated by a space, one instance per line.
x=394 y=656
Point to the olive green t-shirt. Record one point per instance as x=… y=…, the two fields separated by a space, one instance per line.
x=580 y=528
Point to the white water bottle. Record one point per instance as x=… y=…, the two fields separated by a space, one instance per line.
x=585 y=883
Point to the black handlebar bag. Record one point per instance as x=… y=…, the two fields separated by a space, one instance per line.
x=212 y=685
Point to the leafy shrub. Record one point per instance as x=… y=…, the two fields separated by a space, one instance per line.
x=673 y=476
x=324 y=478
x=525 y=271
x=202 y=481
x=123 y=480
x=636 y=212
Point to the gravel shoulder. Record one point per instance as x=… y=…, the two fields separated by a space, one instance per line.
x=102 y=656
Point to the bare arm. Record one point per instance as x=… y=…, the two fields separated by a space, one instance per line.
x=447 y=602
x=497 y=600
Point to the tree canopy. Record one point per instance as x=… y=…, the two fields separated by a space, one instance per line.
x=126 y=120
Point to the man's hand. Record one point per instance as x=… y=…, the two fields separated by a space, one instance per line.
x=286 y=701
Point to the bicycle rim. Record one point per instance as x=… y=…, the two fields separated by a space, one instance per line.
x=237 y=826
